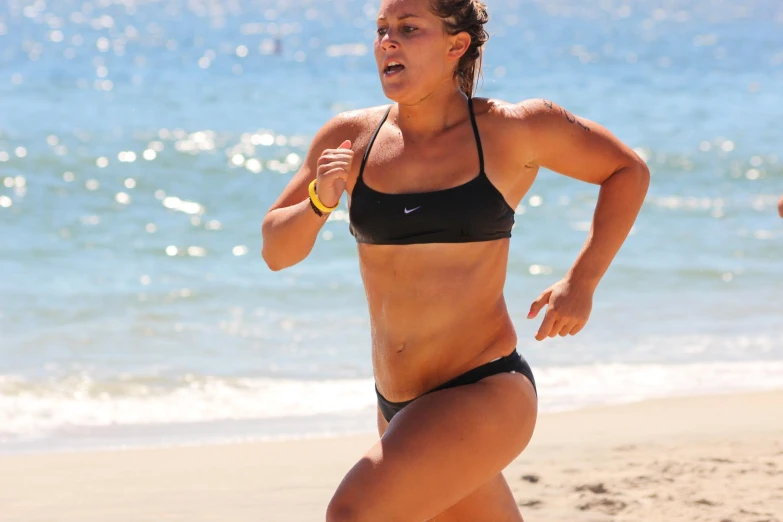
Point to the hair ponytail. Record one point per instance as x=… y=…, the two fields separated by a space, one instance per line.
x=467 y=16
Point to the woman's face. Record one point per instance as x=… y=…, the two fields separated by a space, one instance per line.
x=413 y=52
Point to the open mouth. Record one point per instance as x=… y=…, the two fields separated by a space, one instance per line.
x=393 y=68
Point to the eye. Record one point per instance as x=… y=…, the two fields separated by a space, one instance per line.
x=381 y=31
x=408 y=29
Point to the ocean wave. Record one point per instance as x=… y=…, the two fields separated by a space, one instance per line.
x=42 y=410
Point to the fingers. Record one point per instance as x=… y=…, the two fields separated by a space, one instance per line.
x=335 y=159
x=344 y=148
x=330 y=168
x=564 y=330
x=553 y=325
x=539 y=303
x=335 y=164
x=334 y=173
x=337 y=151
x=329 y=157
x=546 y=326
x=567 y=310
x=556 y=327
x=326 y=167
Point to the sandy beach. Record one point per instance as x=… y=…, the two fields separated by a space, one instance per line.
x=714 y=458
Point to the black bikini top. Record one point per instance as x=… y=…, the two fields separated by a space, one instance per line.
x=471 y=212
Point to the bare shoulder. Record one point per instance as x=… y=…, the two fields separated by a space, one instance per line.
x=491 y=108
x=501 y=110
x=354 y=125
x=512 y=118
x=530 y=114
x=508 y=124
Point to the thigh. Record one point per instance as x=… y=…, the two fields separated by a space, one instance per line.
x=439 y=450
x=492 y=502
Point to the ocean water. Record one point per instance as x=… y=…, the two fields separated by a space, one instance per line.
x=142 y=141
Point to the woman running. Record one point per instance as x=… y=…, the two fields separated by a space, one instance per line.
x=431 y=205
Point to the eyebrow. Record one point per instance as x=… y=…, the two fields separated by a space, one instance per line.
x=401 y=17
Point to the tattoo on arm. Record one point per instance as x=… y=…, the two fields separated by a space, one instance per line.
x=568 y=116
x=585 y=127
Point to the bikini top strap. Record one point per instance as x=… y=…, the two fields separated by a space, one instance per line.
x=476 y=134
x=372 y=140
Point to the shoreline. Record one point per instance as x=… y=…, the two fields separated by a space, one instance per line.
x=562 y=389
x=684 y=457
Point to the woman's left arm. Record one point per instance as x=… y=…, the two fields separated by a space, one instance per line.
x=559 y=141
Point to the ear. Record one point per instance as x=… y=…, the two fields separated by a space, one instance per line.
x=459 y=45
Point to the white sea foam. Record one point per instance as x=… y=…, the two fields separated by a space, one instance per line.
x=44 y=411
x=33 y=410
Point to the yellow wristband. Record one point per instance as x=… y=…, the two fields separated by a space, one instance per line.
x=317 y=202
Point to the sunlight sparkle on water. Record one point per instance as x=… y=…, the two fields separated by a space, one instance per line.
x=188 y=207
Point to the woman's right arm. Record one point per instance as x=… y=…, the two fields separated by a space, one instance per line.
x=291 y=226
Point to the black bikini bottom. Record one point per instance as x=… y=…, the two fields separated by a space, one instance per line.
x=510 y=363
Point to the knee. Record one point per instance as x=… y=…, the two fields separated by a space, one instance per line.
x=342 y=508
x=339 y=511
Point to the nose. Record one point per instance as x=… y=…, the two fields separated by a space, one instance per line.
x=387 y=42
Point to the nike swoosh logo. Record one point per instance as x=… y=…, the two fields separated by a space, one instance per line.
x=411 y=210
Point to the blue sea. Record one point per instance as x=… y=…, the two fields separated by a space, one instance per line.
x=142 y=141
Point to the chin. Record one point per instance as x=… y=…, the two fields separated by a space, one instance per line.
x=403 y=93
x=395 y=92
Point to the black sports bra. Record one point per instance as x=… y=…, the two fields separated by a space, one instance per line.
x=471 y=212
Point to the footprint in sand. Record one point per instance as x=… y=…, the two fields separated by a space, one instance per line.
x=705 y=502
x=535 y=503
x=594 y=488
x=756 y=513
x=604 y=505
x=640 y=481
x=718 y=459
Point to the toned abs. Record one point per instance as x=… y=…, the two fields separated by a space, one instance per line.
x=436 y=311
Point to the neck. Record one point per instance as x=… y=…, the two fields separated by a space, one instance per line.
x=430 y=116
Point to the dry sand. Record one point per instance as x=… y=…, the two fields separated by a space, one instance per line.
x=716 y=458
